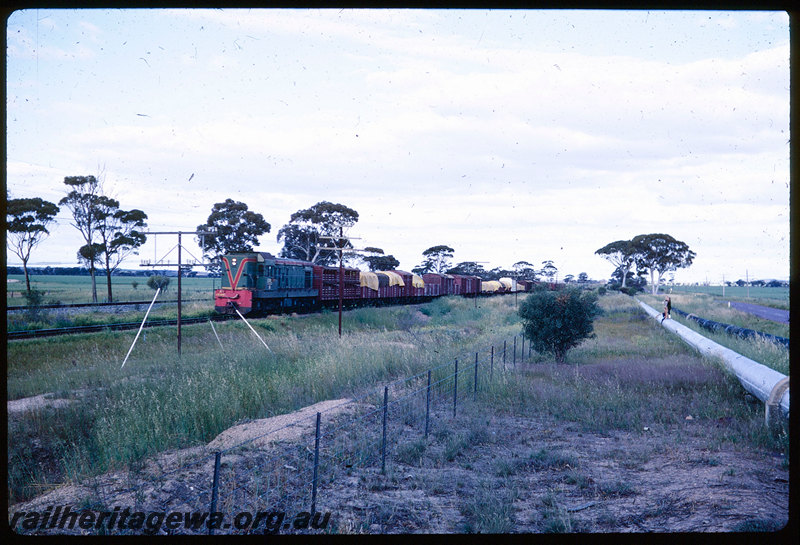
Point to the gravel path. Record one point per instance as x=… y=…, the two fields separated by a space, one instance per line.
x=774 y=314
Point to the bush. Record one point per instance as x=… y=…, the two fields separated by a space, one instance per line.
x=34 y=297
x=557 y=321
x=157 y=281
x=601 y=290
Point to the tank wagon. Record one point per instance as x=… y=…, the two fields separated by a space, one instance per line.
x=260 y=283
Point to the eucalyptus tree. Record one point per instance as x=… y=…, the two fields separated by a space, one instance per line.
x=621 y=254
x=549 y=269
x=26 y=226
x=378 y=261
x=234 y=229
x=437 y=260
x=120 y=235
x=660 y=253
x=469 y=268
x=81 y=201
x=525 y=270
x=304 y=236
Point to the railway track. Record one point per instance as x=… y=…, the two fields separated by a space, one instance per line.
x=23 y=308
x=52 y=332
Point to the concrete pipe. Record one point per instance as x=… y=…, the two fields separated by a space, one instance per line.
x=768 y=385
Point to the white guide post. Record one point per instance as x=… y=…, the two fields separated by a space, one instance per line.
x=140 y=328
x=251 y=329
x=217 y=336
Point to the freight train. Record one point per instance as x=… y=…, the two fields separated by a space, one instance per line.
x=260 y=283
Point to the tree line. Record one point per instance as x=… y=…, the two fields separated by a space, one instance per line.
x=312 y=235
x=111 y=234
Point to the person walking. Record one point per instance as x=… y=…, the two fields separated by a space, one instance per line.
x=667 y=309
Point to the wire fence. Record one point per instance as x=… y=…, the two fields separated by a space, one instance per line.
x=254 y=485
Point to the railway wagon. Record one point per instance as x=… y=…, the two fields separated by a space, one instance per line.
x=525 y=285
x=438 y=284
x=417 y=286
x=260 y=282
x=326 y=282
x=380 y=286
x=492 y=286
x=369 y=284
x=512 y=284
x=466 y=285
x=413 y=285
x=391 y=285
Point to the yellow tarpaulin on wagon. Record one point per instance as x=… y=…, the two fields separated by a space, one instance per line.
x=417 y=281
x=394 y=278
x=491 y=285
x=509 y=283
x=368 y=280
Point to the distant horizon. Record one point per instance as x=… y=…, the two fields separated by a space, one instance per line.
x=99 y=272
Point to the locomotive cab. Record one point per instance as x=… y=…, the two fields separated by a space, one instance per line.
x=260 y=282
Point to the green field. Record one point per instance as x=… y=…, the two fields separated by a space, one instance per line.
x=771 y=297
x=78 y=289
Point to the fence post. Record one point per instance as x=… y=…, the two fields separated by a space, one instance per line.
x=316 y=468
x=475 y=380
x=383 y=443
x=504 y=354
x=515 y=350
x=428 y=403
x=214 y=490
x=522 y=350
x=491 y=366
x=455 y=390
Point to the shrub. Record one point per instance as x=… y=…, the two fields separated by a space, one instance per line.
x=34 y=297
x=35 y=300
x=157 y=281
x=557 y=321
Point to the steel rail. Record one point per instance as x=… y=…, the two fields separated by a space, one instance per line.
x=52 y=332
x=91 y=305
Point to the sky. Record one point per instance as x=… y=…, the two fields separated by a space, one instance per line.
x=508 y=135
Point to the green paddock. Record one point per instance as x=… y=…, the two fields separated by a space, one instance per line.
x=78 y=289
x=752 y=294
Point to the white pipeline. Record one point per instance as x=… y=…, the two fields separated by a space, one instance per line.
x=758 y=379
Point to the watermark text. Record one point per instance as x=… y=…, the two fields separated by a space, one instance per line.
x=125 y=519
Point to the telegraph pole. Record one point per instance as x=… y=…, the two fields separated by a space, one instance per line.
x=339 y=246
x=747 y=281
x=180 y=266
x=341 y=281
x=478 y=293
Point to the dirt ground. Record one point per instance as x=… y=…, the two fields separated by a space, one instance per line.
x=539 y=476
x=488 y=473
